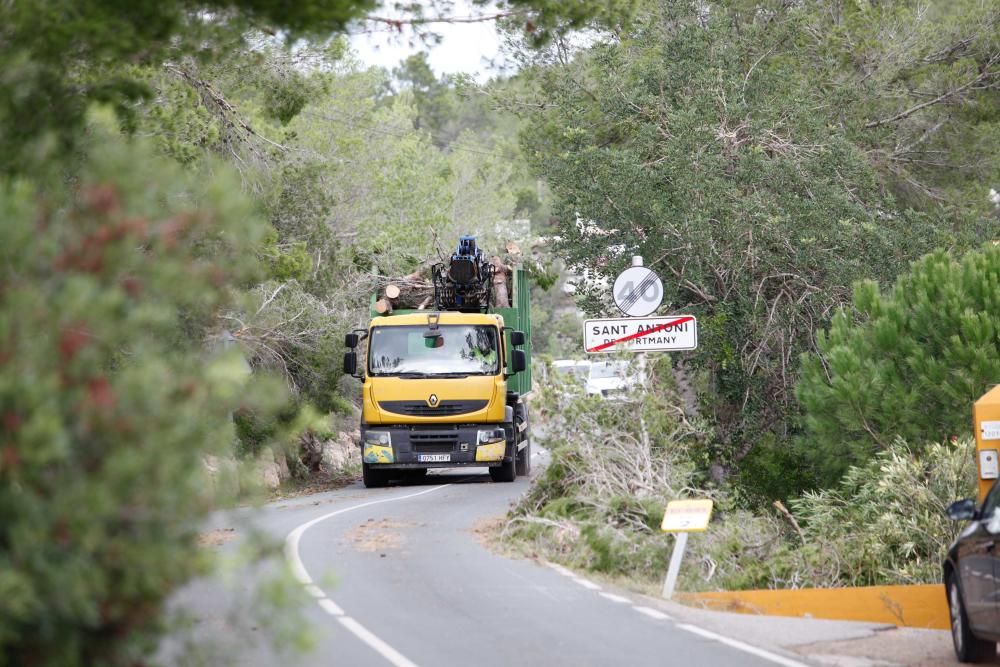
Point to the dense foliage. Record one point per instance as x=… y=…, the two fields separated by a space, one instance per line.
x=769 y=159
x=60 y=56
x=731 y=149
x=599 y=505
x=110 y=397
x=909 y=364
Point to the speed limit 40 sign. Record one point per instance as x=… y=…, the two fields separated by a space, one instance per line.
x=638 y=291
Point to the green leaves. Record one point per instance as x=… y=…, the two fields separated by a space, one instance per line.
x=701 y=144
x=108 y=398
x=910 y=367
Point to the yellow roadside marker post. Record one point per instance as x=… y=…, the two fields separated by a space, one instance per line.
x=986 y=415
x=682 y=517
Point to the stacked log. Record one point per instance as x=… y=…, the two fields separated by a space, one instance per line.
x=416 y=290
x=501 y=279
x=408 y=292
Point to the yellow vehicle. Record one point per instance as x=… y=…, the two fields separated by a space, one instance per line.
x=446 y=388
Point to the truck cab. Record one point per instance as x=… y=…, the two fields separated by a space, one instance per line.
x=443 y=389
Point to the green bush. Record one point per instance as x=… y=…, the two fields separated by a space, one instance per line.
x=885 y=522
x=910 y=365
x=108 y=291
x=599 y=504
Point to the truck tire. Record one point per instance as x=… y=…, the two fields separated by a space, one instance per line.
x=373 y=478
x=968 y=647
x=524 y=460
x=506 y=471
x=523 y=456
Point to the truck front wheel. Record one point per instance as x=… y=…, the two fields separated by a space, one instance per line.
x=506 y=471
x=524 y=460
x=523 y=456
x=373 y=478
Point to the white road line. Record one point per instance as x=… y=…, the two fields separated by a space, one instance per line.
x=560 y=569
x=329 y=606
x=615 y=598
x=383 y=649
x=652 y=613
x=587 y=584
x=746 y=648
x=315 y=591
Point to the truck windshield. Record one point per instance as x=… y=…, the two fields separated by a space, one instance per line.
x=457 y=349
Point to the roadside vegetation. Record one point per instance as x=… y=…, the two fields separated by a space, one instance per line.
x=198 y=198
x=815 y=181
x=598 y=506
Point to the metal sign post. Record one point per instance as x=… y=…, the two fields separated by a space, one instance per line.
x=682 y=517
x=680 y=546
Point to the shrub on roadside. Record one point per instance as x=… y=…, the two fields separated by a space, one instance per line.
x=599 y=504
x=885 y=522
x=909 y=365
x=108 y=397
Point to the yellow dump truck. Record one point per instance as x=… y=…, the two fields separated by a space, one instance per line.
x=446 y=387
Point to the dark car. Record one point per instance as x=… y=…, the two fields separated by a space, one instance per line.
x=972 y=579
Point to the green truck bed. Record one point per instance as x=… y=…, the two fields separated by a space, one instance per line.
x=519 y=317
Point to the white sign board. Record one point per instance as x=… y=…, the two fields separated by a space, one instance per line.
x=641 y=334
x=638 y=291
x=990 y=430
x=683 y=516
x=988 y=466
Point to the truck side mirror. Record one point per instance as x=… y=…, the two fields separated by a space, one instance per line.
x=351 y=340
x=351 y=362
x=517 y=338
x=518 y=361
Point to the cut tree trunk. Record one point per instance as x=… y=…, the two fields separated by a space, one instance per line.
x=501 y=293
x=407 y=292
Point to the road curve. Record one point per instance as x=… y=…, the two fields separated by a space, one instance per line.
x=398 y=576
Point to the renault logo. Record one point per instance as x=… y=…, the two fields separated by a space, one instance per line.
x=432 y=400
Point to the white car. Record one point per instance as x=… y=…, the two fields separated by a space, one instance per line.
x=580 y=370
x=614 y=379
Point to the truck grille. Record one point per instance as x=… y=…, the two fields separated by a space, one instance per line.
x=421 y=409
x=432 y=447
x=428 y=442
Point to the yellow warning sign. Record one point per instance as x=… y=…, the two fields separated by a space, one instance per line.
x=687 y=516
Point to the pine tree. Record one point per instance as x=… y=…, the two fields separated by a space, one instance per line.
x=908 y=363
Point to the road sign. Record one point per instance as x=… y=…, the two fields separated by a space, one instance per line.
x=682 y=517
x=638 y=291
x=641 y=334
x=687 y=516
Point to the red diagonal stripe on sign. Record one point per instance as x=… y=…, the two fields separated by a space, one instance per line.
x=640 y=334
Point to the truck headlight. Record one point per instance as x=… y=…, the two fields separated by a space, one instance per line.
x=492 y=435
x=378 y=438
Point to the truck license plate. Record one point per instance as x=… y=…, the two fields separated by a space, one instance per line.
x=433 y=458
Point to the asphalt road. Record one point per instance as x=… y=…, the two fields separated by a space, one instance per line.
x=398 y=576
